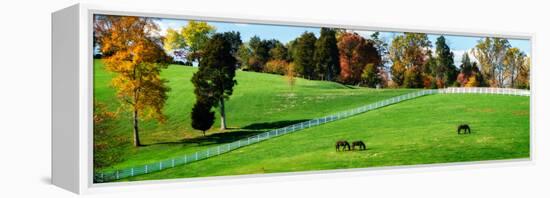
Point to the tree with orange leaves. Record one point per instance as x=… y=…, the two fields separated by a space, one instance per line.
x=137 y=58
x=355 y=53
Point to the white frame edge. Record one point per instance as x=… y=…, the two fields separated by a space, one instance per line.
x=74 y=170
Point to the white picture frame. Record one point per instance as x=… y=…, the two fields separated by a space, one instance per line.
x=72 y=97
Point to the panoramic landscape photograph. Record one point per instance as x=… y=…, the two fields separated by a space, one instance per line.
x=175 y=98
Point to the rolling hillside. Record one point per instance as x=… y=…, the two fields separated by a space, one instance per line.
x=420 y=131
x=260 y=102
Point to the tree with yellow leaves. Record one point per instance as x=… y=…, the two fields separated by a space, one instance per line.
x=514 y=59
x=196 y=34
x=524 y=73
x=290 y=75
x=137 y=59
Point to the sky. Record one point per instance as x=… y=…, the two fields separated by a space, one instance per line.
x=458 y=44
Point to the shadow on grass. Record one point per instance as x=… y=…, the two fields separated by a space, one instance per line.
x=272 y=125
x=232 y=134
x=215 y=138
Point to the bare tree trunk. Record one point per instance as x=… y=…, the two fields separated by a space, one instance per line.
x=136 y=129
x=512 y=78
x=222 y=114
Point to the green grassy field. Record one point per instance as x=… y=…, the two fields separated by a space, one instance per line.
x=420 y=131
x=260 y=102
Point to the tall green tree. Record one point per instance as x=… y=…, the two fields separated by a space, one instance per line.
x=445 y=68
x=215 y=79
x=196 y=34
x=326 y=57
x=278 y=52
x=465 y=70
x=260 y=53
x=234 y=39
x=303 y=55
x=291 y=47
x=490 y=53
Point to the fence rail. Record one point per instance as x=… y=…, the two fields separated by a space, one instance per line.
x=221 y=149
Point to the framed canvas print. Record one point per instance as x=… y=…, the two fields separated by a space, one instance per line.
x=155 y=96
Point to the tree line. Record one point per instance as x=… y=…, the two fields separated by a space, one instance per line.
x=349 y=58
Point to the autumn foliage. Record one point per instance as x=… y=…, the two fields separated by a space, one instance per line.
x=355 y=53
x=136 y=59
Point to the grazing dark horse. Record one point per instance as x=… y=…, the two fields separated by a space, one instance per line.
x=464 y=127
x=360 y=144
x=343 y=144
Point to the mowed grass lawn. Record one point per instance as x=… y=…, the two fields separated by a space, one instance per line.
x=259 y=102
x=420 y=131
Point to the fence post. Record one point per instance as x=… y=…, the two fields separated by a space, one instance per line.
x=196 y=155
x=116 y=174
x=132 y=171
x=160 y=165
x=146 y=169
x=185 y=159
x=173 y=162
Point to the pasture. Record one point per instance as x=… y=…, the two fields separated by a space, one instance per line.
x=260 y=102
x=420 y=131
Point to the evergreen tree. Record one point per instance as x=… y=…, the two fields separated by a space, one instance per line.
x=303 y=55
x=326 y=58
x=260 y=53
x=215 y=78
x=234 y=39
x=278 y=52
x=445 y=68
